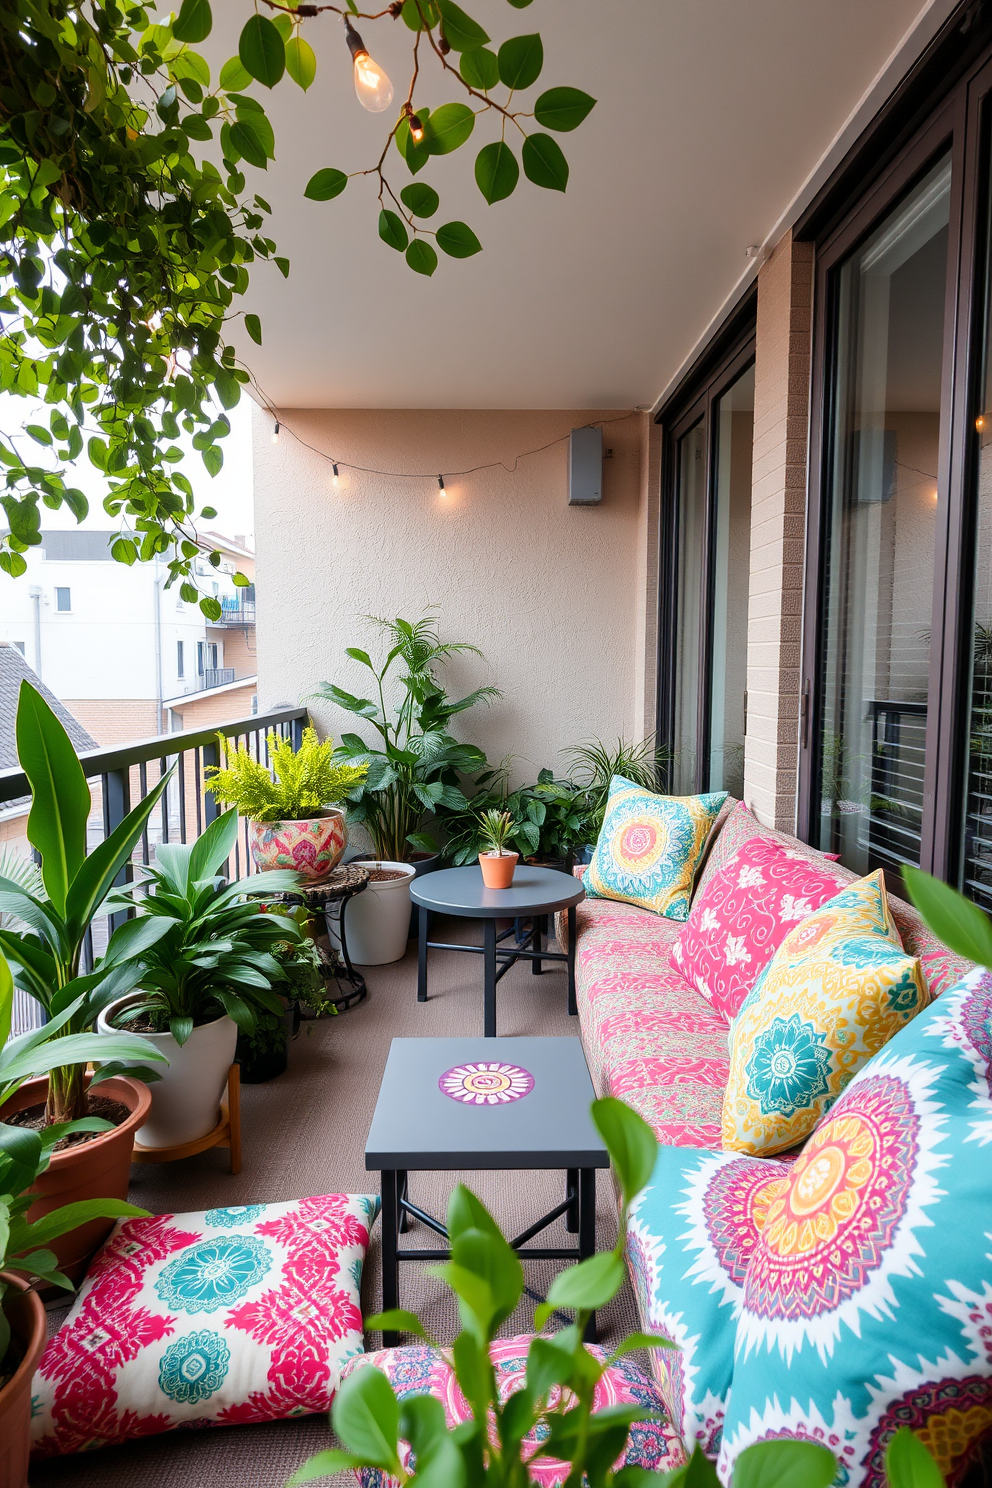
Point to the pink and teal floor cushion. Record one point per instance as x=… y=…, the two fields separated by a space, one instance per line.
x=867 y=1303
x=207 y=1319
x=421 y=1370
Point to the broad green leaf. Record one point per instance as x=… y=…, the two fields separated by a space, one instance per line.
x=492 y=1259
x=193 y=21
x=70 y=1216
x=955 y=920
x=398 y=1320
x=301 y=64
x=324 y=1465
x=496 y=171
x=520 y=61
x=421 y=257
x=422 y=201
x=254 y=328
x=457 y=240
x=480 y=68
x=640 y=1341
x=447 y=128
x=234 y=76
x=326 y=184
x=213 y=847
x=632 y=1145
x=786 y=1464
x=262 y=50
x=93 y=881
x=466 y=1211
x=908 y=1464
x=547 y=1364
x=132 y=939
x=124 y=551
x=366 y=1417
x=60 y=798
x=462 y=32
x=416 y=156
x=563 y=108
x=391 y=230
x=520 y=4
x=544 y=163
x=590 y=1284
x=415 y=14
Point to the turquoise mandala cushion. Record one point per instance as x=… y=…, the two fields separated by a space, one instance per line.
x=689 y=1239
x=868 y=1299
x=649 y=848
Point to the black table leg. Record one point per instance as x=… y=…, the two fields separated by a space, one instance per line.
x=489 y=985
x=573 y=1008
x=388 y=1237
x=423 y=923
x=538 y=924
x=572 y=1213
x=402 y=1190
x=587 y=1229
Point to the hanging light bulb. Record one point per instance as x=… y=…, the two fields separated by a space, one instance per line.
x=416 y=128
x=440 y=485
x=275 y=433
x=334 y=477
x=375 y=91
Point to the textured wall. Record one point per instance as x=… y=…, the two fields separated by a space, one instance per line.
x=554 y=595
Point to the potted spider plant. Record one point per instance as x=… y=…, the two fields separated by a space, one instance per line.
x=296 y=821
x=497 y=863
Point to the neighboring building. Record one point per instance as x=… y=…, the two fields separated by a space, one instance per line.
x=113 y=643
x=13 y=671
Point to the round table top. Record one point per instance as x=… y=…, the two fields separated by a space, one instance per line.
x=341 y=883
x=460 y=891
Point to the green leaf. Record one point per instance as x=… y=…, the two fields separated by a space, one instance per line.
x=563 y=108
x=93 y=881
x=414 y=15
x=326 y=184
x=391 y=230
x=462 y=32
x=588 y=1285
x=955 y=920
x=193 y=22
x=324 y=1465
x=234 y=76
x=301 y=64
x=421 y=257
x=447 y=128
x=252 y=135
x=124 y=551
x=422 y=201
x=544 y=163
x=254 y=328
x=786 y=1464
x=632 y=1145
x=262 y=50
x=457 y=240
x=480 y=68
x=520 y=4
x=398 y=1320
x=60 y=798
x=416 y=156
x=366 y=1417
x=640 y=1341
x=213 y=460
x=908 y=1464
x=520 y=61
x=466 y=1211
x=496 y=171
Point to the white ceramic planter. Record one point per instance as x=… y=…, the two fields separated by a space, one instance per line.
x=378 y=920
x=186 y=1101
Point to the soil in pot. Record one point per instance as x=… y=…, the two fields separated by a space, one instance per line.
x=28 y=1330
x=33 y=1117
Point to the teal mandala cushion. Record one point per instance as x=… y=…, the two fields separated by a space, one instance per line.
x=650 y=846
x=237 y=1314
x=868 y=1299
x=689 y=1239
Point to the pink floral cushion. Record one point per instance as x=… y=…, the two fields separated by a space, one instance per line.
x=422 y=1370
x=741 y=919
x=209 y=1319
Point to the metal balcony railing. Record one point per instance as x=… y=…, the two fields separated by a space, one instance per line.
x=214 y=677
x=237 y=609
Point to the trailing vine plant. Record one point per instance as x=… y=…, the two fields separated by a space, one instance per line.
x=128 y=229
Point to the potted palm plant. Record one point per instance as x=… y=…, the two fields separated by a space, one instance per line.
x=296 y=821
x=211 y=970
x=496 y=862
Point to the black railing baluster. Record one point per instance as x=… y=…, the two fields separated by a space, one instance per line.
x=116 y=805
x=197 y=776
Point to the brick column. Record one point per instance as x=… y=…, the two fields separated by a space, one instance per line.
x=778 y=523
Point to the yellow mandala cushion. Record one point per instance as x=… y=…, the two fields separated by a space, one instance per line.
x=649 y=848
x=837 y=989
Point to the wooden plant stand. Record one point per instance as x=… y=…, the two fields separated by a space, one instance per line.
x=227 y=1132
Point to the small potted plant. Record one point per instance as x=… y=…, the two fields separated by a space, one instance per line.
x=295 y=819
x=496 y=862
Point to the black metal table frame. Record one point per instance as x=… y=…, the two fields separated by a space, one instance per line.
x=578 y=1206
x=498 y=962
x=353 y=978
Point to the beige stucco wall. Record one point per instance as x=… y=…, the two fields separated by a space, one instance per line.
x=555 y=596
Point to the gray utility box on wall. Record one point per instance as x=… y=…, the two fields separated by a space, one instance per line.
x=585 y=467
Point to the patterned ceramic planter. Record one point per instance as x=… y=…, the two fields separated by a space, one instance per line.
x=314 y=847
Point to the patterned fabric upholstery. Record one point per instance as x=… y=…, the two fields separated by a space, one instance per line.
x=649 y=847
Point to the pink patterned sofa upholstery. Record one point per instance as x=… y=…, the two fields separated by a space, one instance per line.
x=649 y=1036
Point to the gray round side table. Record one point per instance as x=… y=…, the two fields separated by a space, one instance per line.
x=534 y=894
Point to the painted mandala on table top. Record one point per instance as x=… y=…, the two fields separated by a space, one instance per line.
x=214 y=1274
x=489 y=1083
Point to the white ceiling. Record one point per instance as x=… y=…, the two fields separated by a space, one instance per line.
x=711 y=115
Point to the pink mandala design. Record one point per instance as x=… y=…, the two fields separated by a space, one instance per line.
x=976 y=1021
x=735 y=1207
x=489 y=1083
x=950 y=1416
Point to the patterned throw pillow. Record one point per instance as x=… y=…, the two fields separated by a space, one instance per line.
x=837 y=989
x=422 y=1370
x=689 y=1239
x=650 y=846
x=868 y=1299
x=209 y=1319
x=742 y=916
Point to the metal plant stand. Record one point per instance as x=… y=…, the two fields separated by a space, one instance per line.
x=329 y=897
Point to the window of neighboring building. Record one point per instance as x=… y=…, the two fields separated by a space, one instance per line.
x=180 y=659
x=212 y=654
x=63 y=600
x=199 y=658
x=20 y=646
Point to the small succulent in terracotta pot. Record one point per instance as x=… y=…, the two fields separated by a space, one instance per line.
x=496 y=862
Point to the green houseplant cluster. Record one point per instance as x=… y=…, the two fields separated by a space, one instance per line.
x=302 y=782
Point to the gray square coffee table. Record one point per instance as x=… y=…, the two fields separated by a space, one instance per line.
x=450 y=1104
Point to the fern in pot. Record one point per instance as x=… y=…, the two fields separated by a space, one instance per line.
x=212 y=971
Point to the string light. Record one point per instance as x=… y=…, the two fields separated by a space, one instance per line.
x=440 y=484
x=416 y=128
x=334 y=478
x=275 y=433
x=374 y=90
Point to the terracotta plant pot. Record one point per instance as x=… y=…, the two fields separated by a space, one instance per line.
x=97 y=1169
x=497 y=869
x=27 y=1324
x=312 y=848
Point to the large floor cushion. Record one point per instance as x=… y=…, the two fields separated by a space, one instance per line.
x=868 y=1298
x=207 y=1319
x=689 y=1239
x=422 y=1370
